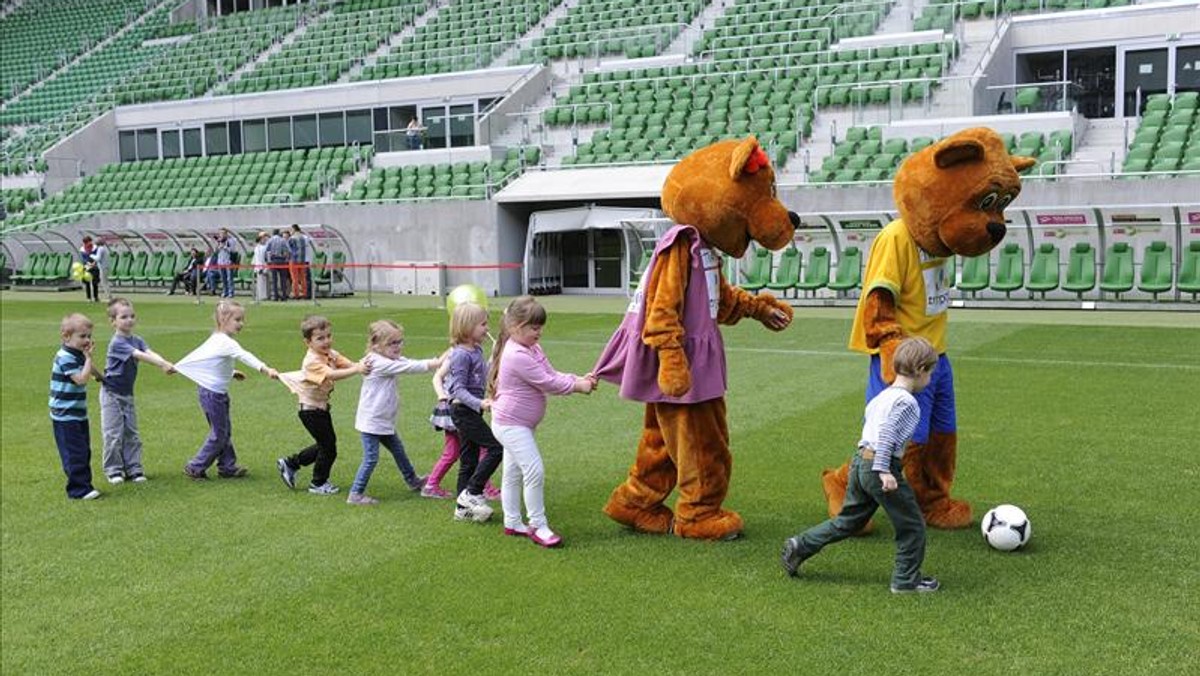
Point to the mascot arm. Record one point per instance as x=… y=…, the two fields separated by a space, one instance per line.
x=737 y=303
x=663 y=330
x=883 y=329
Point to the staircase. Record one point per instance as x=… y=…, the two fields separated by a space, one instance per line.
x=392 y=42
x=222 y=87
x=1103 y=146
x=510 y=56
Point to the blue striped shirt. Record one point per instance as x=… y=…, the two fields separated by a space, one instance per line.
x=888 y=424
x=68 y=401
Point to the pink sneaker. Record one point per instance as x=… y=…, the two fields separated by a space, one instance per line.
x=491 y=493
x=545 y=537
x=435 y=492
x=521 y=531
x=361 y=499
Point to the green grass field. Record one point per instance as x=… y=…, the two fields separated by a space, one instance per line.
x=1086 y=420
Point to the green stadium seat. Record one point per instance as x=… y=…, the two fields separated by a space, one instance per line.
x=1157 y=269
x=848 y=275
x=1117 y=277
x=1043 y=271
x=787 y=273
x=1189 y=270
x=635 y=275
x=1010 y=269
x=975 y=274
x=816 y=273
x=1081 y=269
x=759 y=271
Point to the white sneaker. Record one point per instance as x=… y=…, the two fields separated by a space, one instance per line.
x=465 y=499
x=139 y=478
x=115 y=479
x=324 y=489
x=92 y=496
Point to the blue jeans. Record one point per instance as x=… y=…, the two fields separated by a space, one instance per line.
x=227 y=282
x=371 y=444
x=75 y=451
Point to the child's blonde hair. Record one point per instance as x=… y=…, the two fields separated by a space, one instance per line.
x=466 y=316
x=380 y=332
x=225 y=310
x=312 y=324
x=74 y=323
x=522 y=311
x=913 y=356
x=116 y=303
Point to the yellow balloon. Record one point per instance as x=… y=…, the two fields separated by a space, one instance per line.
x=466 y=293
x=87 y=277
x=77 y=271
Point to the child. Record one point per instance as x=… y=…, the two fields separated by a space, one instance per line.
x=313 y=383
x=211 y=367
x=440 y=419
x=877 y=477
x=520 y=379
x=377 y=406
x=465 y=382
x=118 y=418
x=68 y=404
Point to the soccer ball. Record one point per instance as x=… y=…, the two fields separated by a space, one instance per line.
x=1006 y=528
x=466 y=293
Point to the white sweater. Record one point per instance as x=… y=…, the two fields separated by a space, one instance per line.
x=378 y=400
x=211 y=364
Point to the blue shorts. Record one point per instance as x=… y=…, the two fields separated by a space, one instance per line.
x=936 y=401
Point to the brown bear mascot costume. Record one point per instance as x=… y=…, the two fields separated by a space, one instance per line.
x=668 y=351
x=951 y=197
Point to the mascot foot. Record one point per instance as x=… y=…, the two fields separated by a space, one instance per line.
x=833 y=482
x=948 y=514
x=657 y=520
x=722 y=525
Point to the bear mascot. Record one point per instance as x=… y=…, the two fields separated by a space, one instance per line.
x=951 y=198
x=668 y=352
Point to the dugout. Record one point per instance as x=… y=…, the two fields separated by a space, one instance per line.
x=38 y=261
x=587 y=250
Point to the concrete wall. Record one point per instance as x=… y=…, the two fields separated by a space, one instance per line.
x=82 y=153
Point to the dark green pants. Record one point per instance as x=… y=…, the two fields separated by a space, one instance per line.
x=864 y=494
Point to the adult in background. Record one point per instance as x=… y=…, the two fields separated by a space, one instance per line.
x=190 y=274
x=413 y=131
x=87 y=256
x=299 y=245
x=225 y=262
x=277 y=260
x=261 y=281
x=104 y=267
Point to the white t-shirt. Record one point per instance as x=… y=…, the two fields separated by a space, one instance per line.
x=211 y=365
x=378 y=400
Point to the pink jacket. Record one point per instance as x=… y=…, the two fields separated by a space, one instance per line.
x=525 y=378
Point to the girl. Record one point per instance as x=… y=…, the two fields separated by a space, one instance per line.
x=440 y=419
x=378 y=403
x=520 y=379
x=464 y=383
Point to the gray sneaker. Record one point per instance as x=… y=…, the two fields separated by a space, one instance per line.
x=286 y=472
x=791 y=557
x=324 y=489
x=924 y=585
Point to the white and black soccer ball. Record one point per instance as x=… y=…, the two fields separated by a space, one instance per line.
x=1006 y=528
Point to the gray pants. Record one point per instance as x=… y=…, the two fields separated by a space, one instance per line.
x=864 y=494
x=122 y=443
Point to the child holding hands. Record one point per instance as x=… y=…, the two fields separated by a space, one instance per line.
x=520 y=379
x=118 y=417
x=877 y=476
x=313 y=384
x=451 y=446
x=68 y=404
x=210 y=366
x=378 y=403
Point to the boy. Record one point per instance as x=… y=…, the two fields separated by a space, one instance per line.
x=877 y=477
x=68 y=404
x=210 y=366
x=118 y=418
x=313 y=383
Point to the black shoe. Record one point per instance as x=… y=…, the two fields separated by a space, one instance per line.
x=791 y=557
x=924 y=585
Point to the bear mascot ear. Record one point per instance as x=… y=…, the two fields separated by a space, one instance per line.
x=747 y=158
x=1021 y=163
x=962 y=151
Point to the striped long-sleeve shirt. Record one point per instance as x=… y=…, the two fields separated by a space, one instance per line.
x=68 y=400
x=888 y=423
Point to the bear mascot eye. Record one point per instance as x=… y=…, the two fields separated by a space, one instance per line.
x=988 y=201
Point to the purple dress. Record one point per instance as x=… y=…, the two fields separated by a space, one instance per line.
x=627 y=361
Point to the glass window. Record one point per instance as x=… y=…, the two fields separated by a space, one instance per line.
x=235 y=138
x=332 y=128
x=279 y=133
x=358 y=126
x=462 y=125
x=192 y=143
x=304 y=130
x=216 y=138
x=170 y=144
x=254 y=136
x=383 y=142
x=127 y=146
x=147 y=144
x=1187 y=70
x=435 y=124
x=400 y=115
x=381 y=119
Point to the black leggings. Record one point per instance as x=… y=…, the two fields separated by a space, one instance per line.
x=321 y=454
x=474 y=433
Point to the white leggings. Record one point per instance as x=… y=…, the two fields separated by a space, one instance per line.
x=522 y=470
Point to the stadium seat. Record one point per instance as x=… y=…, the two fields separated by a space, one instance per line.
x=950 y=268
x=848 y=275
x=1043 y=271
x=1189 y=270
x=635 y=275
x=787 y=273
x=1081 y=269
x=1157 y=269
x=1010 y=269
x=975 y=274
x=1117 y=277
x=759 y=272
x=816 y=273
